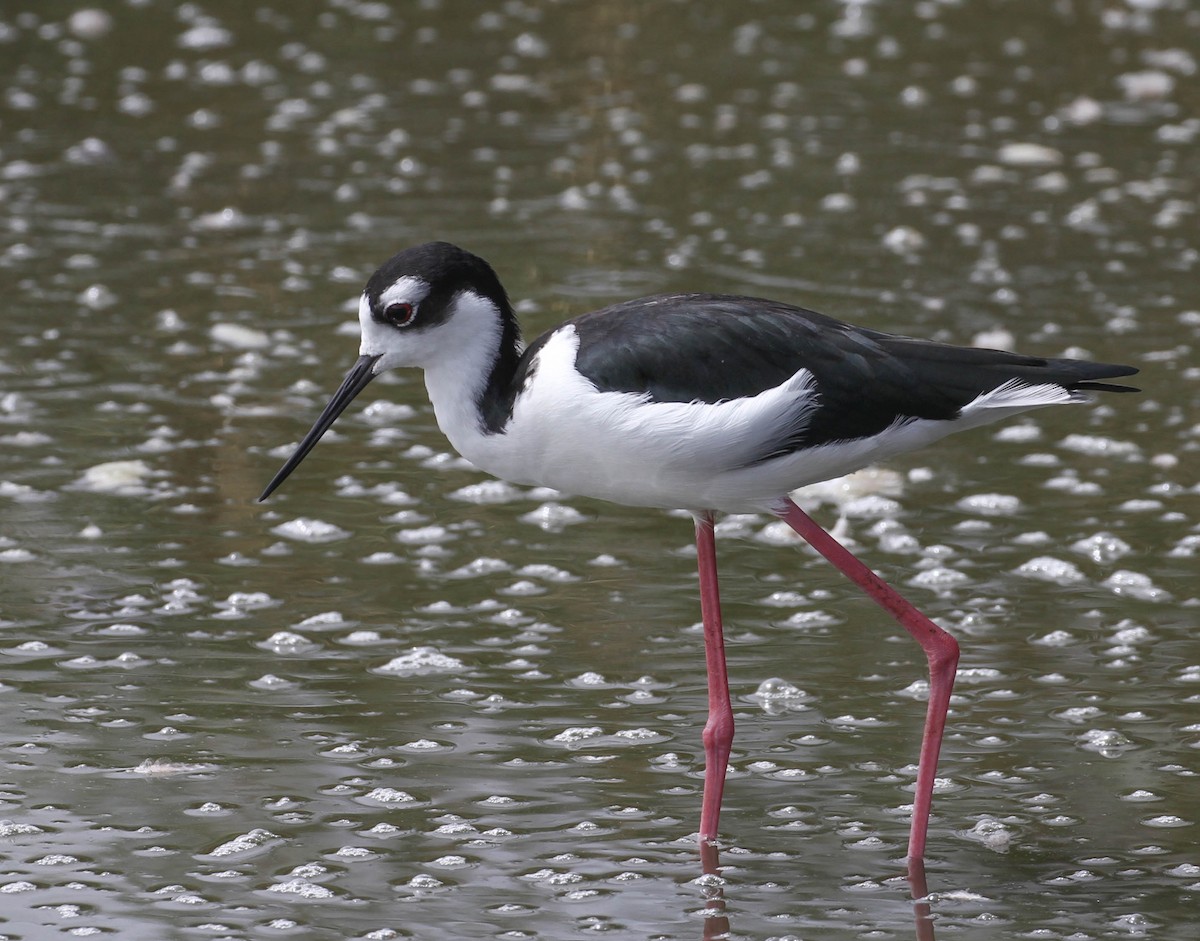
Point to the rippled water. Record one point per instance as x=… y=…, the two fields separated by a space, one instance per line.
x=402 y=700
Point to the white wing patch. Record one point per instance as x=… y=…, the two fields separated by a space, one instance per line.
x=715 y=436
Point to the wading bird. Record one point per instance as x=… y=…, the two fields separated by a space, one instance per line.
x=704 y=402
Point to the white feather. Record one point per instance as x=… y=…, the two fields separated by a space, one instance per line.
x=1017 y=396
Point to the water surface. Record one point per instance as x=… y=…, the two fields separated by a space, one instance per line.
x=399 y=700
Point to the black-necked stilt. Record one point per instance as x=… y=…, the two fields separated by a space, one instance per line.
x=705 y=402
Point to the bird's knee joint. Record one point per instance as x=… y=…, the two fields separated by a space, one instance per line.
x=718 y=731
x=943 y=656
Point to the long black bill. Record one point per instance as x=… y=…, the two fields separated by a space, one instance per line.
x=356 y=380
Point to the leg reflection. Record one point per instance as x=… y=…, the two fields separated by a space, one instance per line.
x=920 y=891
x=716 y=922
x=716 y=919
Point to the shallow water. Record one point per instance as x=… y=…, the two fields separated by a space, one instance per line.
x=400 y=700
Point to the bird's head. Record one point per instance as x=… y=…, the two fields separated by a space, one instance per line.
x=422 y=307
x=426 y=302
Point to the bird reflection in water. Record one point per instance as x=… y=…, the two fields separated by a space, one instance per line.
x=716 y=914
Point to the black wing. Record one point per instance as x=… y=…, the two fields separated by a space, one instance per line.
x=711 y=347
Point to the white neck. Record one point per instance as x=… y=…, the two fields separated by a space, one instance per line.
x=457 y=374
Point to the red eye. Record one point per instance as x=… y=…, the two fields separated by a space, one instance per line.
x=399 y=315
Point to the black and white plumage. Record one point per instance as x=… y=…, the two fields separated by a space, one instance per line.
x=703 y=402
x=695 y=401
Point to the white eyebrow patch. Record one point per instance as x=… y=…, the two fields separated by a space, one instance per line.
x=408 y=290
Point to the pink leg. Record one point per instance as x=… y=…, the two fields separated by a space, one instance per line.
x=718 y=731
x=941 y=650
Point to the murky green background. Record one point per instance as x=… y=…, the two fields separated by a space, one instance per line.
x=397 y=701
